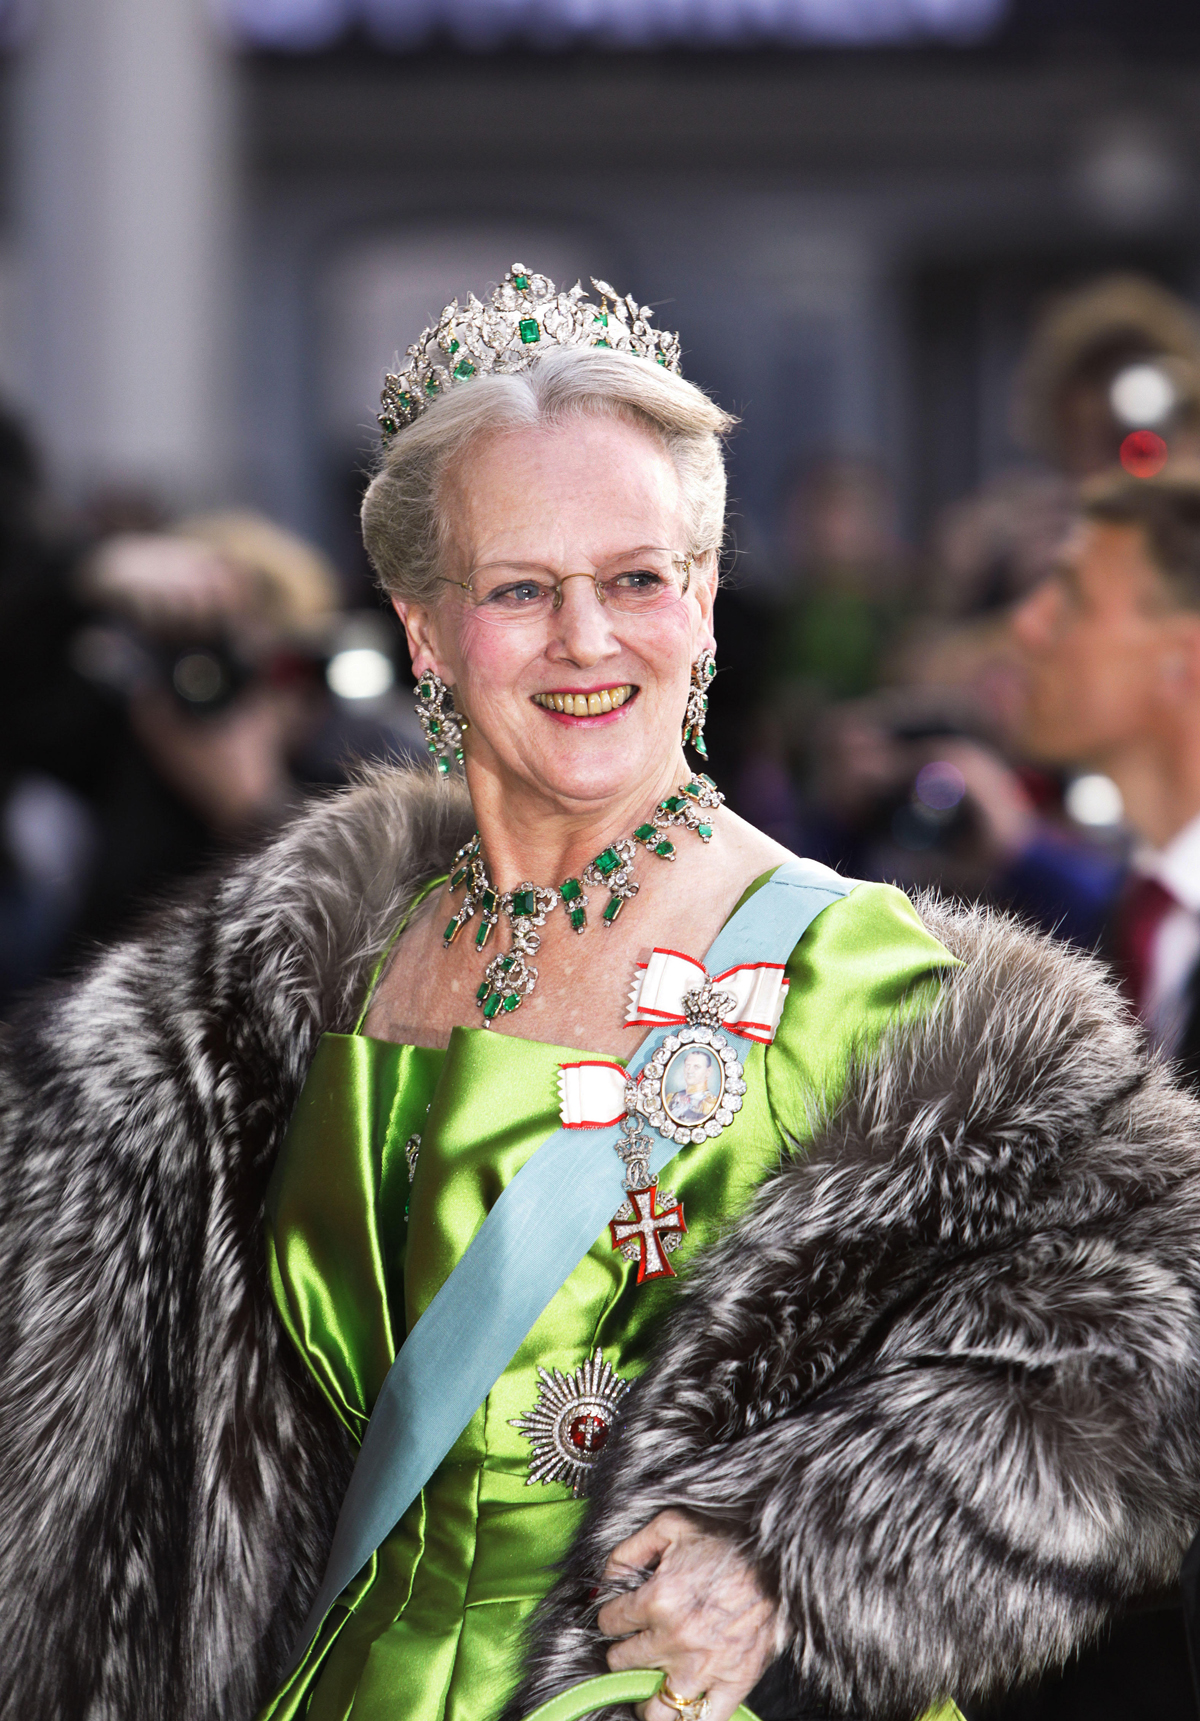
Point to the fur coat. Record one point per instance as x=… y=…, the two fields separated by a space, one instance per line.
x=940 y=1384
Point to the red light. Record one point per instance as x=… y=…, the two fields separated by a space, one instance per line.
x=1143 y=454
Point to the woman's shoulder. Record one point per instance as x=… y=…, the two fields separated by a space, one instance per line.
x=838 y=912
x=393 y=823
x=865 y=962
x=866 y=916
x=929 y=990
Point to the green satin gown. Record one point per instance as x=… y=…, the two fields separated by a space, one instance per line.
x=431 y=1628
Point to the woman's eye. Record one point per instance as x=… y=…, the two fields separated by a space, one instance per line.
x=521 y=592
x=637 y=580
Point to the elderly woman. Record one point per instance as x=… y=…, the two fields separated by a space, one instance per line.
x=396 y=1142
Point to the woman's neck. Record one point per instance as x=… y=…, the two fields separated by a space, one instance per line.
x=526 y=836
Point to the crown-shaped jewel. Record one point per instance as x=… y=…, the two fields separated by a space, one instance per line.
x=525 y=315
x=707 y=1005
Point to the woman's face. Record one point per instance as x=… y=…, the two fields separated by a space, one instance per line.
x=578 y=498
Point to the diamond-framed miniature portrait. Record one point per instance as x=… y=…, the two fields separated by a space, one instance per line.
x=692 y=1087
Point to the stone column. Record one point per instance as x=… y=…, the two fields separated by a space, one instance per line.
x=126 y=169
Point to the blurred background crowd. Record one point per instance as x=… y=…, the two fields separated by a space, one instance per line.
x=942 y=258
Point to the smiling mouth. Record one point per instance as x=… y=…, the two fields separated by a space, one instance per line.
x=586 y=704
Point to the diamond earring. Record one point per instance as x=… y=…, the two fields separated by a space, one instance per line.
x=703 y=670
x=443 y=725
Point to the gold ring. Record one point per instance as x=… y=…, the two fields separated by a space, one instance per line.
x=689 y=1708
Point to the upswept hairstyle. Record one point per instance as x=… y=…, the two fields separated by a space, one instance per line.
x=403 y=525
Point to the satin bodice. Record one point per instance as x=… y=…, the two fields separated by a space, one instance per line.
x=431 y=1629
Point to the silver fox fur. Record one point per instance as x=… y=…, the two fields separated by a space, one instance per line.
x=941 y=1384
x=169 y=1478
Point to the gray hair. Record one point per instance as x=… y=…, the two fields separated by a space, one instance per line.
x=403 y=526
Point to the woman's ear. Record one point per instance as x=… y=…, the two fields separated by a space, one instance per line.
x=705 y=574
x=417 y=624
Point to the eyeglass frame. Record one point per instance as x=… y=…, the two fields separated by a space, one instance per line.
x=688 y=561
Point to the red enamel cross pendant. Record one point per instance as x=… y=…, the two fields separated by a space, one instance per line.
x=648 y=1236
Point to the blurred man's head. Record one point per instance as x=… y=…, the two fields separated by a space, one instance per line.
x=1111 y=642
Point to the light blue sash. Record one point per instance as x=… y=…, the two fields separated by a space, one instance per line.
x=454 y=1355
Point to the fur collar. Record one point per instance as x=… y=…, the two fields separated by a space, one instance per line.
x=169 y=1474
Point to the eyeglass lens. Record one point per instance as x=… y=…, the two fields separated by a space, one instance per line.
x=509 y=595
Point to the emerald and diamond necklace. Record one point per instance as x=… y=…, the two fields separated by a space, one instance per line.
x=510 y=977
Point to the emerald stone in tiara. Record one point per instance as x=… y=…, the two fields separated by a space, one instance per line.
x=526 y=314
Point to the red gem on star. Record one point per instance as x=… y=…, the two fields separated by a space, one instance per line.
x=588 y=1432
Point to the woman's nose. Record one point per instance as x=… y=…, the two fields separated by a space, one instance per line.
x=581 y=622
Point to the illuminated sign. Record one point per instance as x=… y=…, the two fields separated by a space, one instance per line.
x=485 y=24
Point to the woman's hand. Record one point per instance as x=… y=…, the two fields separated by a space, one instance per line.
x=700 y=1616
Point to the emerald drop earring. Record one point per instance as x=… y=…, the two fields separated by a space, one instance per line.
x=442 y=724
x=703 y=670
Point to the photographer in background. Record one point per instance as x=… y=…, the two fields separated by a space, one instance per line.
x=212 y=635
x=915 y=786
x=166 y=695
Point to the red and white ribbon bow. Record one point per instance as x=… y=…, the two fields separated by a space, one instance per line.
x=592 y=1093
x=758 y=989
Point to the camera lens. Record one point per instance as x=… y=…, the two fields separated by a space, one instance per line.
x=199 y=677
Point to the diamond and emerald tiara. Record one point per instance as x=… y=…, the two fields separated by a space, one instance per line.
x=526 y=313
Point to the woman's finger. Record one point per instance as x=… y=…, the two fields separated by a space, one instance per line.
x=657 y=1710
x=641 y=1549
x=722 y=1701
x=636 y=1651
x=624 y=1613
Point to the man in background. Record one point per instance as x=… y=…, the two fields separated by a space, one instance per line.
x=1111 y=655
x=1111 y=649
